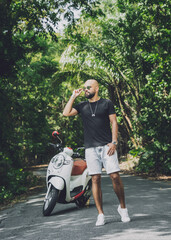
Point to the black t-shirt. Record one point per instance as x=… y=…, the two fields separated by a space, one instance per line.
x=97 y=131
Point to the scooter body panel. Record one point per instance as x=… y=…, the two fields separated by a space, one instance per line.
x=79 y=180
x=57 y=182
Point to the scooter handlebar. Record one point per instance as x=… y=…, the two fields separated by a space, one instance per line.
x=54 y=145
x=80 y=148
x=77 y=153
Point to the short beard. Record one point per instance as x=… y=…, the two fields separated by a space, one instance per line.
x=89 y=96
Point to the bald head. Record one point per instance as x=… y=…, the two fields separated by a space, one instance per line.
x=92 y=82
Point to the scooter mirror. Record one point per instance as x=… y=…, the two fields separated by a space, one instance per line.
x=55 y=134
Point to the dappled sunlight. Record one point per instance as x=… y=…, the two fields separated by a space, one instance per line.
x=129 y=234
x=162 y=189
x=148 y=205
x=3 y=216
x=140 y=215
x=35 y=200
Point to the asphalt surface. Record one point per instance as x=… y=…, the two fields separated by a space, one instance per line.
x=148 y=203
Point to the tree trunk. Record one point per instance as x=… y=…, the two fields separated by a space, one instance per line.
x=127 y=122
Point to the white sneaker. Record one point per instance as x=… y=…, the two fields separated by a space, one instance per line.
x=100 y=220
x=124 y=214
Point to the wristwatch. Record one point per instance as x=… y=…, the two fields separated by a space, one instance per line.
x=115 y=143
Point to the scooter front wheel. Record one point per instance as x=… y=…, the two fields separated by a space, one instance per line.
x=50 y=201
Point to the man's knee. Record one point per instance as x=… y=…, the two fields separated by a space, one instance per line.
x=115 y=177
x=96 y=179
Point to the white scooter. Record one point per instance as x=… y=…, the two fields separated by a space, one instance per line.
x=67 y=180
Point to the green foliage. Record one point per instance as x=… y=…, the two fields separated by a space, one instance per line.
x=24 y=107
x=156 y=159
x=136 y=152
x=5 y=194
x=17 y=182
x=19 y=18
x=30 y=104
x=127 y=50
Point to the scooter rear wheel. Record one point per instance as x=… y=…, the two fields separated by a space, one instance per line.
x=50 y=202
x=81 y=202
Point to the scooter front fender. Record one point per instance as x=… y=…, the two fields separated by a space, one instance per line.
x=57 y=182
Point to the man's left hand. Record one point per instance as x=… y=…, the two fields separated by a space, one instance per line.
x=112 y=149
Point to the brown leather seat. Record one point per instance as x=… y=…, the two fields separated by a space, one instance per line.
x=78 y=167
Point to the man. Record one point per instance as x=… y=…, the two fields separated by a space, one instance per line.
x=100 y=143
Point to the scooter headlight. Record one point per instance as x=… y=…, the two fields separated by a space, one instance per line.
x=58 y=161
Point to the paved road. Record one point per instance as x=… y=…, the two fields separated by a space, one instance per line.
x=149 y=204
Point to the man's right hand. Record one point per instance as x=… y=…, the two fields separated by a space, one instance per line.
x=69 y=110
x=77 y=92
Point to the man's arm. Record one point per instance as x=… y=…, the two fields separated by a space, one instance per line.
x=113 y=121
x=69 y=110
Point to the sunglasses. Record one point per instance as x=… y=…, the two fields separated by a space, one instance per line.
x=88 y=87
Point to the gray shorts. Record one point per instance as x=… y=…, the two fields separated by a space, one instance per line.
x=96 y=158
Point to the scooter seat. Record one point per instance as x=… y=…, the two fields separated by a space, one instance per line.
x=78 y=167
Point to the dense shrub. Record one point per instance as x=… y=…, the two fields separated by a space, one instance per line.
x=17 y=182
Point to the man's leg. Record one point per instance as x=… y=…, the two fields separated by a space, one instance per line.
x=111 y=165
x=97 y=192
x=94 y=165
x=118 y=188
